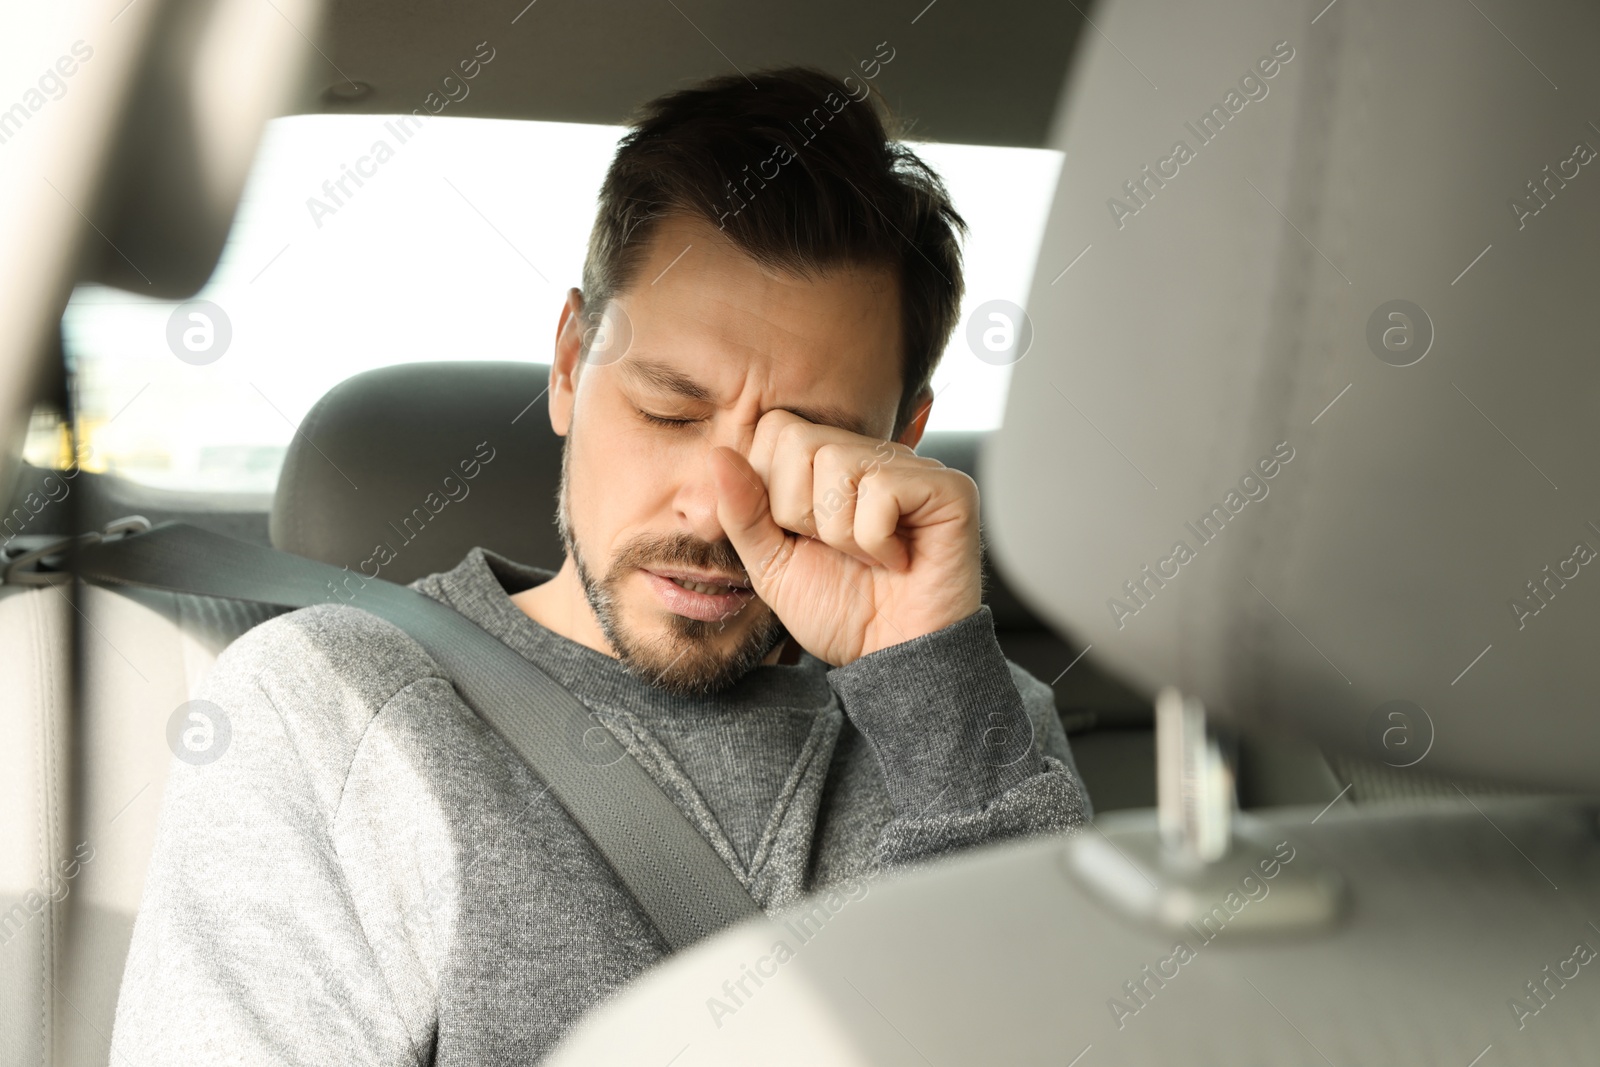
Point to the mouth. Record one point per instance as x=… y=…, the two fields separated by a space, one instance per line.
x=699 y=595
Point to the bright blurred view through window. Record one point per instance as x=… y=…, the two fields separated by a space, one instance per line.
x=460 y=244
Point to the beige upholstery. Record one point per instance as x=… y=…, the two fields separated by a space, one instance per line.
x=1225 y=311
x=34 y=631
x=142 y=658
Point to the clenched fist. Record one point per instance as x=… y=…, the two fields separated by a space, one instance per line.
x=855 y=544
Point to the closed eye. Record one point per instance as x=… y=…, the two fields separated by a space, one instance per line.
x=661 y=420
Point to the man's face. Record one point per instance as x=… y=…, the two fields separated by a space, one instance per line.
x=716 y=341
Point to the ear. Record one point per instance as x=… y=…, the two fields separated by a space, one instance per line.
x=566 y=364
x=919 y=419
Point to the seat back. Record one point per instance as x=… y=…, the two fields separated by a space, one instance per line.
x=1318 y=399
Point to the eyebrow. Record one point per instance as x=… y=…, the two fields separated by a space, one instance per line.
x=655 y=373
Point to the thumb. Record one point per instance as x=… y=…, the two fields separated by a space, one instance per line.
x=746 y=517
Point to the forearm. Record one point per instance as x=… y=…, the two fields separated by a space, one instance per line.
x=966 y=758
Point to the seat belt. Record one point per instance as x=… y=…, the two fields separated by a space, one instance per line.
x=678 y=879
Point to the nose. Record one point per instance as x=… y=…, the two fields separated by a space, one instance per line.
x=695 y=503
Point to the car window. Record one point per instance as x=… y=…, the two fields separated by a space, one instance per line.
x=361 y=242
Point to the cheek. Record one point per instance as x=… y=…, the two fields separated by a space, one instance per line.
x=619 y=487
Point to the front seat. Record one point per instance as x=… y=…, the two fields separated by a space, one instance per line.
x=1344 y=354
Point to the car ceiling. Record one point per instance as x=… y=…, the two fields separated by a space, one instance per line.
x=960 y=72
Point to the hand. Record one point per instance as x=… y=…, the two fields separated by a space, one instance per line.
x=855 y=544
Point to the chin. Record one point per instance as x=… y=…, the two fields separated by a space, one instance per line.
x=690 y=657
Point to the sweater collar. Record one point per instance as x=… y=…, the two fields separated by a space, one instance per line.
x=481 y=585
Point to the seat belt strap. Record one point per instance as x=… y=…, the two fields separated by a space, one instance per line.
x=678 y=879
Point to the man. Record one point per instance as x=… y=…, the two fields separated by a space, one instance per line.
x=767 y=596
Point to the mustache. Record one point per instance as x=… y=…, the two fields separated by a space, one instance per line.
x=684 y=550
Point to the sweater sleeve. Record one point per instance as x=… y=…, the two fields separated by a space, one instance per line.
x=247 y=947
x=970 y=745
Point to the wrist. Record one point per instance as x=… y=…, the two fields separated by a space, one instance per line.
x=899 y=632
x=943 y=715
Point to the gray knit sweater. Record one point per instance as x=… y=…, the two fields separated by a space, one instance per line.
x=368 y=875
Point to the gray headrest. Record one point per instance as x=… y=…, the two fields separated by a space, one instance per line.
x=1341 y=348
x=397 y=472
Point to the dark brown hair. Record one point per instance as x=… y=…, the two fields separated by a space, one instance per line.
x=845 y=192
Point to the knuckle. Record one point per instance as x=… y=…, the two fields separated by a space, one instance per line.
x=789 y=433
x=965 y=487
x=791 y=516
x=830 y=455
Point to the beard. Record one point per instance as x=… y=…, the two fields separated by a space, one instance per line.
x=686 y=660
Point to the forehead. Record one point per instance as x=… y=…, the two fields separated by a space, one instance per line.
x=703 y=309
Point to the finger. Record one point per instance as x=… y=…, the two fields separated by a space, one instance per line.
x=746 y=519
x=877 y=521
x=780 y=429
x=770 y=429
x=836 y=473
x=790 y=478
